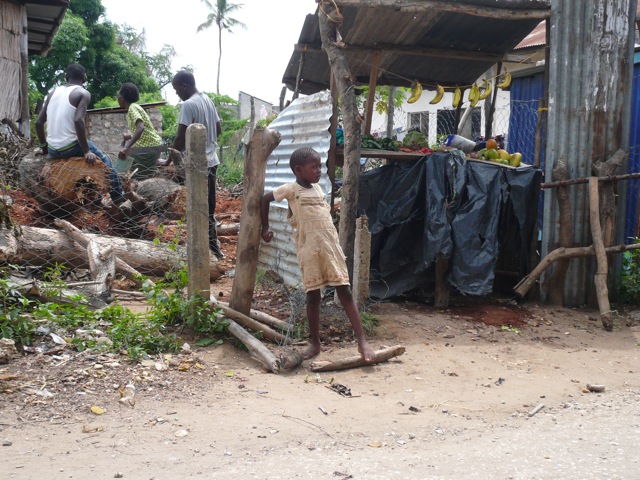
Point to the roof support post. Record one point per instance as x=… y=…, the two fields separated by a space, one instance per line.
x=330 y=20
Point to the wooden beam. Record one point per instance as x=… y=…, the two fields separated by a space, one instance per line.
x=423 y=6
x=373 y=82
x=427 y=52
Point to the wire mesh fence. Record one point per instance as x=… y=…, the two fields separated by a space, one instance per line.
x=60 y=217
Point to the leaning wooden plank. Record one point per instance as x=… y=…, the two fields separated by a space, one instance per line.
x=255 y=347
x=77 y=236
x=45 y=246
x=356 y=361
x=252 y=324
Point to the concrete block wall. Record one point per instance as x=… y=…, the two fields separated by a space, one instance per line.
x=106 y=127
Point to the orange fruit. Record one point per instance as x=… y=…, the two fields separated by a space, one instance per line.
x=492 y=144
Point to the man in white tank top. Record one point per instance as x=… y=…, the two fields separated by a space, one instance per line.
x=63 y=113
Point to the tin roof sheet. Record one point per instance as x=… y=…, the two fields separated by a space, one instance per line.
x=447 y=43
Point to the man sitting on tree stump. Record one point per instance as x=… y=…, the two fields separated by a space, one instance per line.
x=66 y=137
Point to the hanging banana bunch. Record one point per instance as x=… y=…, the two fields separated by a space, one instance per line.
x=439 y=95
x=457 y=96
x=474 y=95
x=506 y=81
x=416 y=92
x=487 y=90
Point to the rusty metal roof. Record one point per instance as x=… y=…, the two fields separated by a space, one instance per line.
x=435 y=42
x=43 y=19
x=538 y=37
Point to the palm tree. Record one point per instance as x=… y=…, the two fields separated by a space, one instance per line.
x=219 y=15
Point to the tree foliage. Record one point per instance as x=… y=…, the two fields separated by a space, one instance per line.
x=111 y=54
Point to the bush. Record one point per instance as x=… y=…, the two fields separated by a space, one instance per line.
x=630 y=282
x=231 y=172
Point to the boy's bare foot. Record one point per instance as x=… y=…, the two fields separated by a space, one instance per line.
x=312 y=351
x=367 y=352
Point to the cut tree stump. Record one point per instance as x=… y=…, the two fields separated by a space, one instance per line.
x=62 y=186
x=356 y=360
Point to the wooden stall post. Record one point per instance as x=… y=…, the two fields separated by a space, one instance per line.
x=600 y=278
x=197 y=211
x=362 y=261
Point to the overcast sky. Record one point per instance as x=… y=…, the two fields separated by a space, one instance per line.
x=253 y=60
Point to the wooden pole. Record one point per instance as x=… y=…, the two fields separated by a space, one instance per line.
x=391 y=109
x=600 y=279
x=442 y=286
x=262 y=143
x=197 y=210
x=373 y=83
x=556 y=281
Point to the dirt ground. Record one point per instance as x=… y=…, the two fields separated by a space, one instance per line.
x=486 y=389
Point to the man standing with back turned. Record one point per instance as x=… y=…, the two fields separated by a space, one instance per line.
x=198 y=108
x=63 y=113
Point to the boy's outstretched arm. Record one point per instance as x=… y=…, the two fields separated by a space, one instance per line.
x=266 y=232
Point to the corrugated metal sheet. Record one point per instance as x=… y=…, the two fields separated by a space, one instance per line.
x=631 y=222
x=589 y=106
x=432 y=45
x=304 y=123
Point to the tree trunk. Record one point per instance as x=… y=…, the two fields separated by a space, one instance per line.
x=262 y=143
x=45 y=246
x=330 y=21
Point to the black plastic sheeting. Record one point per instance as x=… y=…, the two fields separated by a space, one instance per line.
x=471 y=212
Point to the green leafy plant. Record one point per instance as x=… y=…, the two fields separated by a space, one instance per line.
x=415 y=140
x=509 y=328
x=630 y=280
x=369 y=322
x=231 y=172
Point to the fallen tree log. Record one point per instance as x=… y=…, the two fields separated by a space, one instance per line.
x=527 y=282
x=45 y=246
x=77 y=236
x=356 y=360
x=255 y=347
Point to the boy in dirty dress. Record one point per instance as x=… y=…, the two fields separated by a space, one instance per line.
x=322 y=262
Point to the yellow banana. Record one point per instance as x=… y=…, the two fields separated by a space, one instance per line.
x=474 y=95
x=506 y=81
x=487 y=90
x=457 y=96
x=439 y=95
x=416 y=92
